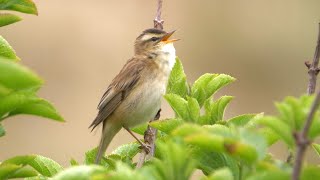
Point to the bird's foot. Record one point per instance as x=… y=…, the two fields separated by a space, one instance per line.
x=145 y=146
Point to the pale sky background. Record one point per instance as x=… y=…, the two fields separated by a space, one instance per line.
x=78 y=46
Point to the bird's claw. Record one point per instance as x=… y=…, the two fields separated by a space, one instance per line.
x=146 y=147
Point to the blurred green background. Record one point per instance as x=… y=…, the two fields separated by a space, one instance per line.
x=79 y=46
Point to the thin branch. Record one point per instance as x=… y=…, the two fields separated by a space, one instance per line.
x=302 y=141
x=313 y=69
x=158 y=22
x=149 y=138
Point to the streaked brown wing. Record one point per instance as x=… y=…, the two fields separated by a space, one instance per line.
x=119 y=89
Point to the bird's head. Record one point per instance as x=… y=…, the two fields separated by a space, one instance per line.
x=152 y=40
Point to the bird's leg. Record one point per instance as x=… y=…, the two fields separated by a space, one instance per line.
x=143 y=145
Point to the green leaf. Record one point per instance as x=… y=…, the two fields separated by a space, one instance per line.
x=220 y=174
x=218 y=108
x=241 y=120
x=6 y=19
x=41 y=108
x=24 y=6
x=179 y=105
x=127 y=150
x=208 y=84
x=207 y=141
x=14 y=100
x=74 y=162
x=175 y=161
x=209 y=162
x=45 y=166
x=177 y=83
x=24 y=172
x=90 y=156
x=255 y=140
x=310 y=172
x=82 y=173
x=140 y=129
x=194 y=109
x=17 y=77
x=2 y=131
x=6 y=51
x=279 y=127
x=166 y=125
x=214 y=111
x=316 y=147
x=198 y=88
x=273 y=174
x=6 y=170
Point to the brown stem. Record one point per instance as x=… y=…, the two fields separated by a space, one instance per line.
x=313 y=69
x=302 y=141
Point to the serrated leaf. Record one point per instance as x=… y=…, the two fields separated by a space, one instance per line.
x=24 y=6
x=279 y=127
x=90 y=157
x=218 y=107
x=175 y=162
x=24 y=172
x=40 y=107
x=167 y=125
x=177 y=83
x=82 y=173
x=221 y=174
x=194 y=109
x=17 y=77
x=208 y=162
x=6 y=170
x=2 y=131
x=127 y=150
x=6 y=51
x=208 y=84
x=45 y=166
x=6 y=19
x=179 y=105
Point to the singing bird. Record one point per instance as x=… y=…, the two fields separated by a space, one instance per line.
x=134 y=95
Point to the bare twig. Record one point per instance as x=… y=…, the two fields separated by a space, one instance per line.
x=149 y=139
x=313 y=69
x=151 y=133
x=302 y=141
x=158 y=22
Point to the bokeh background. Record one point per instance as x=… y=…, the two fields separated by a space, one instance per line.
x=78 y=46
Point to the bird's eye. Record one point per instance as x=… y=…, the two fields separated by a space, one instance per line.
x=154 y=39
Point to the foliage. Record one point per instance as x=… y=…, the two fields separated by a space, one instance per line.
x=18 y=84
x=199 y=137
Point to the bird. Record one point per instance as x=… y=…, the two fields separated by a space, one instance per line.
x=134 y=95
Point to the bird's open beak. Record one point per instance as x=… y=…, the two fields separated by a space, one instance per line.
x=166 y=37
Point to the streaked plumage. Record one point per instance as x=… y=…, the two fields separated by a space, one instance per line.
x=134 y=95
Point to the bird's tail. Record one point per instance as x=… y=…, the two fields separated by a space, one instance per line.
x=109 y=130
